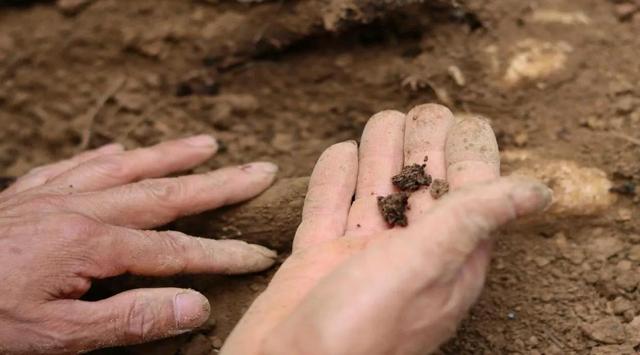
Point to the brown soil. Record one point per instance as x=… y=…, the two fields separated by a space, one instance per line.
x=412 y=178
x=138 y=72
x=439 y=188
x=393 y=208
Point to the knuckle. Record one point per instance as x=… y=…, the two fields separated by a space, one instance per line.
x=44 y=203
x=312 y=203
x=222 y=177
x=113 y=166
x=75 y=227
x=164 y=191
x=138 y=321
x=177 y=242
x=175 y=246
x=73 y=246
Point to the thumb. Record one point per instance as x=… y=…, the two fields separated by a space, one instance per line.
x=131 y=317
x=454 y=229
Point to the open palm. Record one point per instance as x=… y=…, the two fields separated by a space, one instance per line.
x=353 y=285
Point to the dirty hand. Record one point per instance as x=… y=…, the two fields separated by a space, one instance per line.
x=352 y=285
x=85 y=218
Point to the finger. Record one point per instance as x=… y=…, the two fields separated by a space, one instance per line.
x=131 y=317
x=155 y=202
x=121 y=250
x=380 y=158
x=472 y=153
x=40 y=175
x=464 y=220
x=419 y=276
x=425 y=136
x=156 y=161
x=331 y=189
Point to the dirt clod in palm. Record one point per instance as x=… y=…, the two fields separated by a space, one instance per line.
x=412 y=178
x=439 y=188
x=393 y=208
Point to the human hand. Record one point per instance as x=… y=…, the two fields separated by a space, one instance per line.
x=67 y=223
x=352 y=285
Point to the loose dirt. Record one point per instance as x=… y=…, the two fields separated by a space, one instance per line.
x=411 y=178
x=274 y=81
x=439 y=188
x=393 y=208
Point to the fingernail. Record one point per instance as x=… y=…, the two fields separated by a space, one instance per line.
x=544 y=193
x=266 y=252
x=191 y=309
x=352 y=141
x=202 y=141
x=547 y=197
x=538 y=193
x=261 y=167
